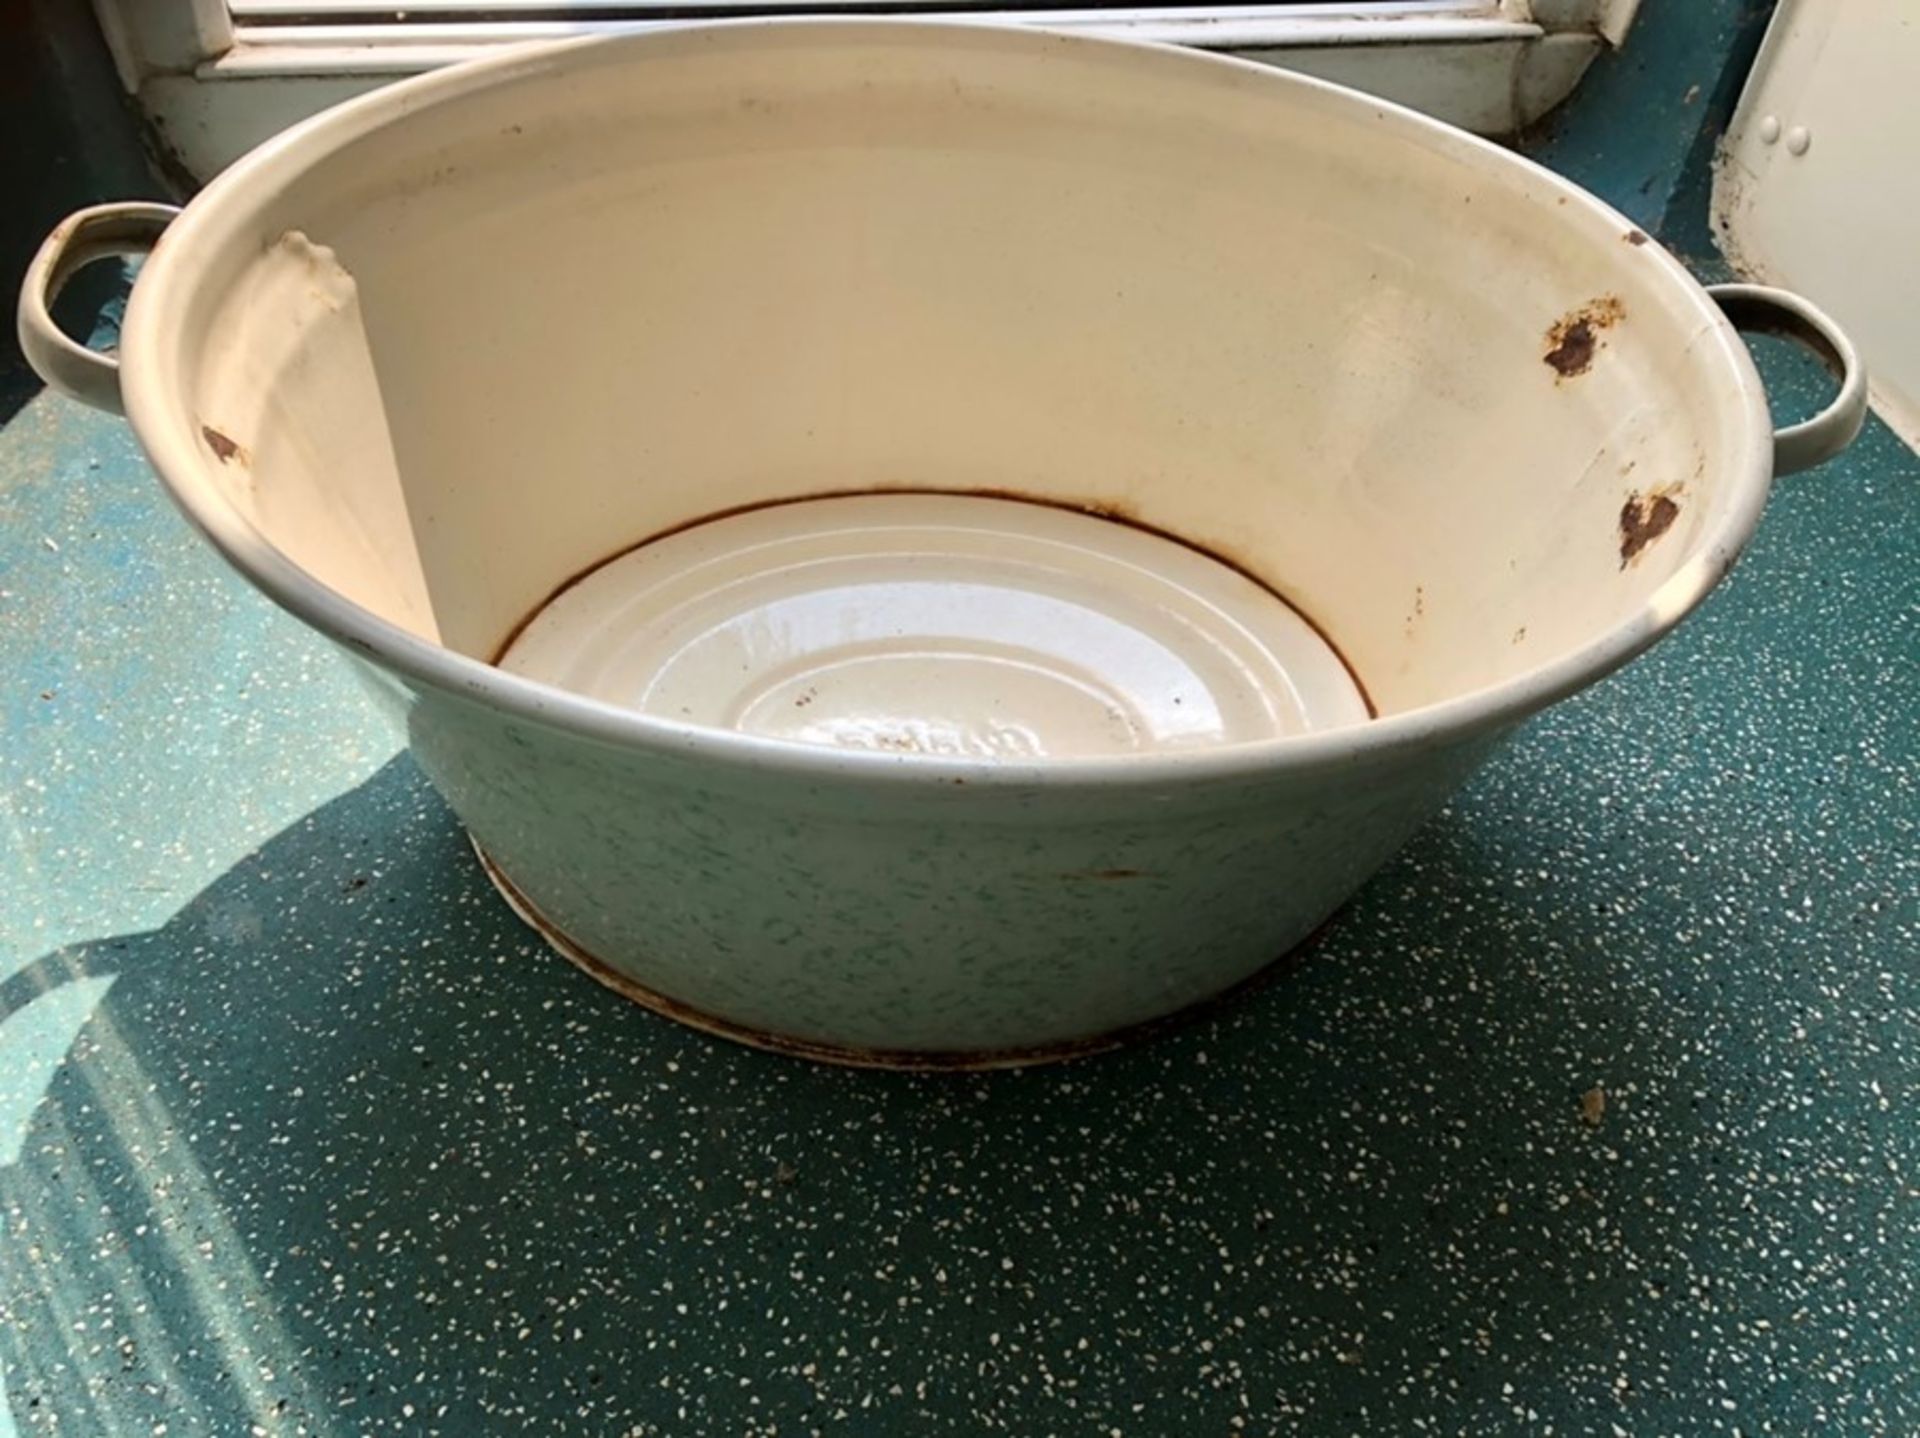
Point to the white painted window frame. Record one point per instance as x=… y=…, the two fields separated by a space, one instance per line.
x=217 y=81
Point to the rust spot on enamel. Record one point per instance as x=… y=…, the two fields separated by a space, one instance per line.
x=1593 y=1107
x=1643 y=519
x=224 y=447
x=1636 y=237
x=1574 y=339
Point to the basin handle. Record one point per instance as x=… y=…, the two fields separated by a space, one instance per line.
x=1761 y=309
x=129 y=228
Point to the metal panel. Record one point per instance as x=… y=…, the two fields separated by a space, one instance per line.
x=1814 y=190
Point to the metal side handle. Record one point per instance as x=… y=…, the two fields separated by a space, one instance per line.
x=1761 y=309
x=127 y=228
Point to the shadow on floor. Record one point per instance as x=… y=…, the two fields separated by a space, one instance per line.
x=341 y=1148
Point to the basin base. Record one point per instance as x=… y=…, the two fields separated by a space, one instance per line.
x=953 y=625
x=909 y=1060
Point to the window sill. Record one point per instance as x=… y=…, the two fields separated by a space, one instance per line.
x=376 y=48
x=1471 y=64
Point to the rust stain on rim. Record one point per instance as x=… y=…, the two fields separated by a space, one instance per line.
x=225 y=448
x=899 y=1060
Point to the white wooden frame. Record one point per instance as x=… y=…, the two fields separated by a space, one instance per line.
x=218 y=80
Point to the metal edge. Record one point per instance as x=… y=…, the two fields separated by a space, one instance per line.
x=896 y=1060
x=148 y=381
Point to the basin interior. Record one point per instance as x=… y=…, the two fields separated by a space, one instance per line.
x=967 y=626
x=1459 y=417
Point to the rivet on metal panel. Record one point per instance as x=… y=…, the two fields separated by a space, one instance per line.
x=1770 y=130
x=1799 y=138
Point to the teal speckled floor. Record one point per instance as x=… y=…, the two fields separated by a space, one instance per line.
x=301 y=1132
